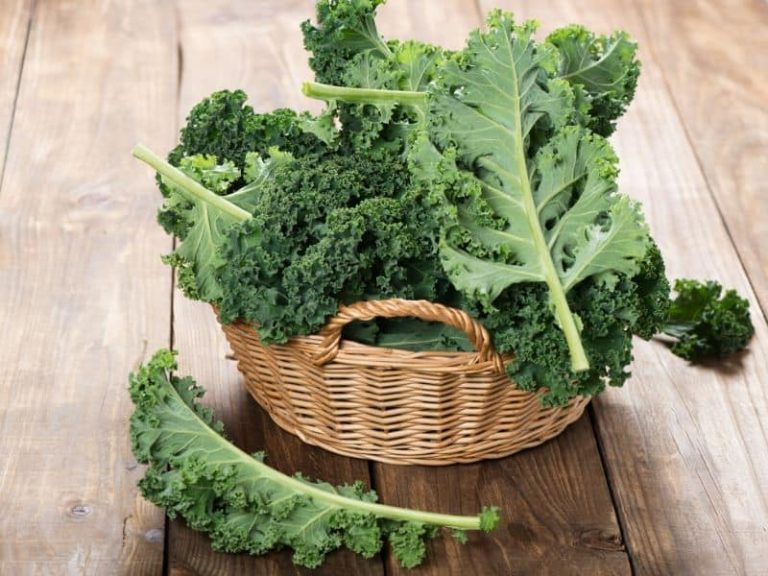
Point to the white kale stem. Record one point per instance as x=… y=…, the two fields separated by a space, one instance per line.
x=259 y=469
x=374 y=96
x=194 y=190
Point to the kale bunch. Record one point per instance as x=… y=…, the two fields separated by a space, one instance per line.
x=481 y=179
x=329 y=229
x=506 y=139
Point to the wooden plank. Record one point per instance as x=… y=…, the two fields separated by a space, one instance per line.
x=712 y=56
x=686 y=448
x=255 y=46
x=82 y=299
x=557 y=514
x=15 y=19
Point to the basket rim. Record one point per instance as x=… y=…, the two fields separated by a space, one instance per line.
x=351 y=349
x=351 y=352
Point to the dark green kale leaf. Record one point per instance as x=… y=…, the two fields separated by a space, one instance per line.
x=223 y=127
x=344 y=30
x=653 y=294
x=245 y=505
x=348 y=51
x=329 y=230
x=705 y=324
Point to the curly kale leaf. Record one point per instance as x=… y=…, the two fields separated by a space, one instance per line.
x=603 y=71
x=324 y=231
x=344 y=30
x=653 y=294
x=177 y=206
x=348 y=51
x=245 y=505
x=707 y=323
x=522 y=325
x=208 y=217
x=562 y=220
x=222 y=126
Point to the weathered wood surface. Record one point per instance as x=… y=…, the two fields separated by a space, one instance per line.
x=15 y=20
x=685 y=448
x=83 y=293
x=712 y=56
x=557 y=516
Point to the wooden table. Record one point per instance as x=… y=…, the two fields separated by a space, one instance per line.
x=667 y=476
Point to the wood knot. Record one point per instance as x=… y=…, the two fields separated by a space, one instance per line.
x=80 y=511
x=597 y=539
x=153 y=535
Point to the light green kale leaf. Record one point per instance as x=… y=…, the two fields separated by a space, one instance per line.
x=247 y=506
x=209 y=216
x=549 y=213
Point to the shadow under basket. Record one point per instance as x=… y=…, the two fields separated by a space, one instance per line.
x=396 y=406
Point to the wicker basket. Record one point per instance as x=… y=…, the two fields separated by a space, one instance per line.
x=396 y=406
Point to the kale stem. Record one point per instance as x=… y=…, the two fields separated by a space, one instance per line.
x=363 y=95
x=382 y=510
x=187 y=185
x=181 y=409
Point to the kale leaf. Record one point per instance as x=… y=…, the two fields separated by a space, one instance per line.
x=223 y=127
x=245 y=505
x=707 y=323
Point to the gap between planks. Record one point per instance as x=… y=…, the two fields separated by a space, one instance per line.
x=622 y=521
x=22 y=60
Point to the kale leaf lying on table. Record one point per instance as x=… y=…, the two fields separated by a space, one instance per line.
x=706 y=325
x=246 y=506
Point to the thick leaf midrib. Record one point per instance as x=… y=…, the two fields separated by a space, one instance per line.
x=551 y=277
x=529 y=208
x=180 y=409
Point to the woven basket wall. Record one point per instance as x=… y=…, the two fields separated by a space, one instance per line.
x=396 y=406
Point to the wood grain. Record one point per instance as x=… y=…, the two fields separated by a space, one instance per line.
x=686 y=448
x=712 y=56
x=557 y=514
x=255 y=46
x=15 y=19
x=83 y=293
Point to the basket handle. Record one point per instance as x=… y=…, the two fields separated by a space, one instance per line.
x=398 y=308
